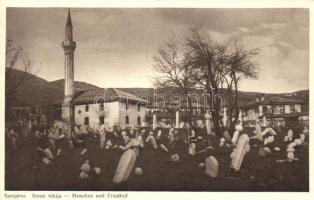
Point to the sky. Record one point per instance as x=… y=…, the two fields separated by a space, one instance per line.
x=115 y=47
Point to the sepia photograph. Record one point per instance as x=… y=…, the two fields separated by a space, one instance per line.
x=156 y=99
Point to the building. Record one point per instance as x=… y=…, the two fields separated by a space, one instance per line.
x=108 y=106
x=276 y=110
x=164 y=102
x=95 y=107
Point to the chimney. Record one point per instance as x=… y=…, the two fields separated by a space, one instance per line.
x=257 y=98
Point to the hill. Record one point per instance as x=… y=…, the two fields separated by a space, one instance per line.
x=78 y=85
x=243 y=97
x=29 y=89
x=38 y=91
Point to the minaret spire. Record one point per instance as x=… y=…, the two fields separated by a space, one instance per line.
x=68 y=28
x=69 y=21
x=68 y=46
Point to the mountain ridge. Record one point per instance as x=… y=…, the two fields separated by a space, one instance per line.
x=42 y=92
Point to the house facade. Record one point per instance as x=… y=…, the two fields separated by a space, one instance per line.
x=277 y=111
x=110 y=113
x=108 y=107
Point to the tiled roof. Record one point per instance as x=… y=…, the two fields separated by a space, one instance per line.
x=271 y=100
x=106 y=95
x=285 y=115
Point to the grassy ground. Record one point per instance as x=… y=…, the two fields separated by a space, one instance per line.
x=256 y=173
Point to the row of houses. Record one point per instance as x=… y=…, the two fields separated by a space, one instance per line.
x=278 y=111
x=126 y=107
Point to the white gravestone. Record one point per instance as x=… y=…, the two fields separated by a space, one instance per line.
x=125 y=166
x=239 y=152
x=212 y=166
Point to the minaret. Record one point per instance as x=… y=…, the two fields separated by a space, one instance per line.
x=68 y=46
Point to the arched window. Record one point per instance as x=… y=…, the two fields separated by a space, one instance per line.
x=86 y=121
x=139 y=121
x=101 y=106
x=86 y=108
x=126 y=119
x=101 y=119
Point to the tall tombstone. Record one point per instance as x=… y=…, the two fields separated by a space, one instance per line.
x=238 y=128
x=225 y=117
x=235 y=136
x=154 y=121
x=258 y=130
x=239 y=152
x=264 y=121
x=208 y=123
x=177 y=119
x=240 y=117
x=102 y=138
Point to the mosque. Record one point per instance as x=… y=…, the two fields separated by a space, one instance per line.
x=109 y=106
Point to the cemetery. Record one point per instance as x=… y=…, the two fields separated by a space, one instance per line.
x=159 y=160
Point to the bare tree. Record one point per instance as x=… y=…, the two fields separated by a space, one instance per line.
x=202 y=62
x=173 y=64
x=221 y=66
x=240 y=67
x=209 y=60
x=15 y=80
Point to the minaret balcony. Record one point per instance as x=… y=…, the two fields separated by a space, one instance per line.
x=69 y=45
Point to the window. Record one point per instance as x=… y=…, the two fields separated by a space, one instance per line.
x=101 y=106
x=86 y=108
x=282 y=109
x=86 y=121
x=264 y=108
x=138 y=107
x=269 y=109
x=101 y=119
x=139 y=121
x=79 y=112
x=292 y=110
x=287 y=108
x=126 y=106
x=297 y=107
x=126 y=119
x=276 y=110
